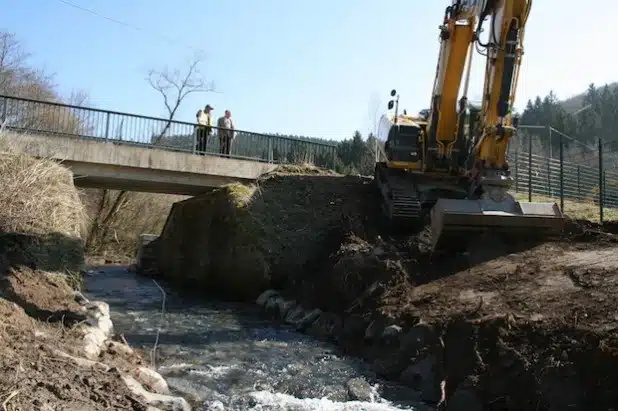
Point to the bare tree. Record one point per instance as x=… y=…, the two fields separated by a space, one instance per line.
x=79 y=98
x=175 y=85
x=108 y=207
x=17 y=78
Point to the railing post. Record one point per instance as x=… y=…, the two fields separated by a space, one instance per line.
x=561 y=172
x=600 y=180
x=270 y=150
x=4 y=110
x=579 y=184
x=194 y=140
x=529 y=169
x=517 y=170
x=107 y=116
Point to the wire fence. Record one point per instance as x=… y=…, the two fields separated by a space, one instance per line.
x=33 y=116
x=581 y=176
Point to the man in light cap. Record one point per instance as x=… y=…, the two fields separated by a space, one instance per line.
x=204 y=128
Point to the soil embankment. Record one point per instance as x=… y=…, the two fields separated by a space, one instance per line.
x=57 y=350
x=39 y=322
x=240 y=239
x=524 y=327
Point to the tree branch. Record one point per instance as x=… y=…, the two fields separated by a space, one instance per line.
x=174 y=87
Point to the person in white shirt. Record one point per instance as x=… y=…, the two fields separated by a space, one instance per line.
x=226 y=133
x=204 y=128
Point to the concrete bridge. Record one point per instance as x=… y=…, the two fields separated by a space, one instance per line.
x=124 y=167
x=107 y=149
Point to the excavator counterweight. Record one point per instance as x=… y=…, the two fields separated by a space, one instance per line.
x=448 y=164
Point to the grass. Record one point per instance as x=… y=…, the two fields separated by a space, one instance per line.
x=38 y=195
x=304 y=168
x=576 y=209
x=39 y=200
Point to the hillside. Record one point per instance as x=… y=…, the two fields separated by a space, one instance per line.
x=575 y=102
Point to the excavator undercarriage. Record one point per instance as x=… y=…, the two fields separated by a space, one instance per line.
x=411 y=201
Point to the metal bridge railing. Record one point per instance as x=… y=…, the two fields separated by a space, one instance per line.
x=34 y=116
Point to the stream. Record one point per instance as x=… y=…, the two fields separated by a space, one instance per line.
x=225 y=356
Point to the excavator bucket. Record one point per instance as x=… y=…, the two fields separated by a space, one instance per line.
x=453 y=221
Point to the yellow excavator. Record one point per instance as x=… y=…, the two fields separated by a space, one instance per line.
x=448 y=163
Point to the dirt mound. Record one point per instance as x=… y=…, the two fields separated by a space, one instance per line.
x=515 y=324
x=43 y=295
x=38 y=321
x=34 y=377
x=246 y=238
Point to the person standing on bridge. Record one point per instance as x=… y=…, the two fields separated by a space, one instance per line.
x=226 y=133
x=204 y=128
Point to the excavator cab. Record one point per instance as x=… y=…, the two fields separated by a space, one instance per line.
x=403 y=145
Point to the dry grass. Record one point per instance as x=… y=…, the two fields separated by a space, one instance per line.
x=583 y=209
x=37 y=196
x=303 y=168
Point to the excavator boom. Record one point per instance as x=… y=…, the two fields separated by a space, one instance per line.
x=460 y=173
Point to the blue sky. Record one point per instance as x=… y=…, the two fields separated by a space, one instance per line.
x=319 y=68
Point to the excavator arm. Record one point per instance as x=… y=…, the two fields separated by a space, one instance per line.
x=504 y=52
x=457 y=36
x=460 y=34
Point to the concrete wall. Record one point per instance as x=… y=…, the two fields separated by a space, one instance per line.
x=116 y=166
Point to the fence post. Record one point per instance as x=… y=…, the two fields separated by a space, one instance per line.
x=270 y=149
x=194 y=138
x=561 y=172
x=529 y=168
x=600 y=181
x=550 y=159
x=579 y=184
x=334 y=149
x=106 y=126
x=517 y=169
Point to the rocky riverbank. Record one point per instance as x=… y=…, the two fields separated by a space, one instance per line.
x=531 y=327
x=58 y=349
x=524 y=326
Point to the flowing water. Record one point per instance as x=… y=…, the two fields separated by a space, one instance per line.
x=224 y=356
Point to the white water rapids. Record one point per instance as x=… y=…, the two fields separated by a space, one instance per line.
x=223 y=356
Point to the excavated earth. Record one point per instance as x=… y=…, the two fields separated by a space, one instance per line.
x=523 y=325
x=38 y=313
x=506 y=326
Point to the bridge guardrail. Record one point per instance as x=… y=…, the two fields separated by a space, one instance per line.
x=35 y=116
